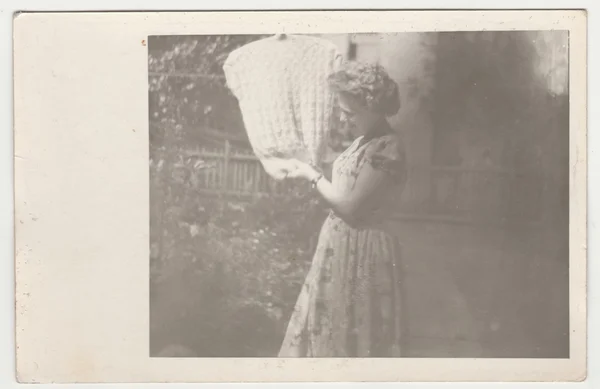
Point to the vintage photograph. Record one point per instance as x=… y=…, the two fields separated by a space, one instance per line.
x=302 y=196
x=362 y=195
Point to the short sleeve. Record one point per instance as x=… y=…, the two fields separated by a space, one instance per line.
x=387 y=154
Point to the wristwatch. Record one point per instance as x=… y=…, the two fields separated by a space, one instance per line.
x=316 y=180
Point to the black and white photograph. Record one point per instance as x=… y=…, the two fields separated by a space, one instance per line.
x=300 y=196
x=381 y=195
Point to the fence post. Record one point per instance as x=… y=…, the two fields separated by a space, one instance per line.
x=225 y=176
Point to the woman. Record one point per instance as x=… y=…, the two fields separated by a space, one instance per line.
x=349 y=305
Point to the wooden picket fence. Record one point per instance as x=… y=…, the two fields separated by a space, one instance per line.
x=234 y=173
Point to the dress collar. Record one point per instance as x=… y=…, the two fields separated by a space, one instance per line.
x=382 y=128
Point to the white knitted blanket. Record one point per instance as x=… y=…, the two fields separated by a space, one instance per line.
x=283 y=95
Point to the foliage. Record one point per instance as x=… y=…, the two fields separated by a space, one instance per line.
x=216 y=264
x=187 y=88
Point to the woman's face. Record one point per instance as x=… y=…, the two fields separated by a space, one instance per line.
x=356 y=119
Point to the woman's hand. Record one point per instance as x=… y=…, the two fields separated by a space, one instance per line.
x=303 y=170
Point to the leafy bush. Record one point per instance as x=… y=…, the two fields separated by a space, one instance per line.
x=217 y=264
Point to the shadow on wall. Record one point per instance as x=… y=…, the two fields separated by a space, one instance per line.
x=483 y=292
x=485 y=100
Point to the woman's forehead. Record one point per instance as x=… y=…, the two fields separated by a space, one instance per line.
x=347 y=103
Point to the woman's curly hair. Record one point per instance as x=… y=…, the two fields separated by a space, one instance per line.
x=369 y=84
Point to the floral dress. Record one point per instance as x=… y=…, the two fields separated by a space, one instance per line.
x=350 y=303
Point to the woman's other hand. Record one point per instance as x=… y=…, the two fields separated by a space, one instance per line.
x=278 y=168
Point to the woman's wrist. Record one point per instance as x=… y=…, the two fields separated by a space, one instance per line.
x=313 y=173
x=314 y=180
